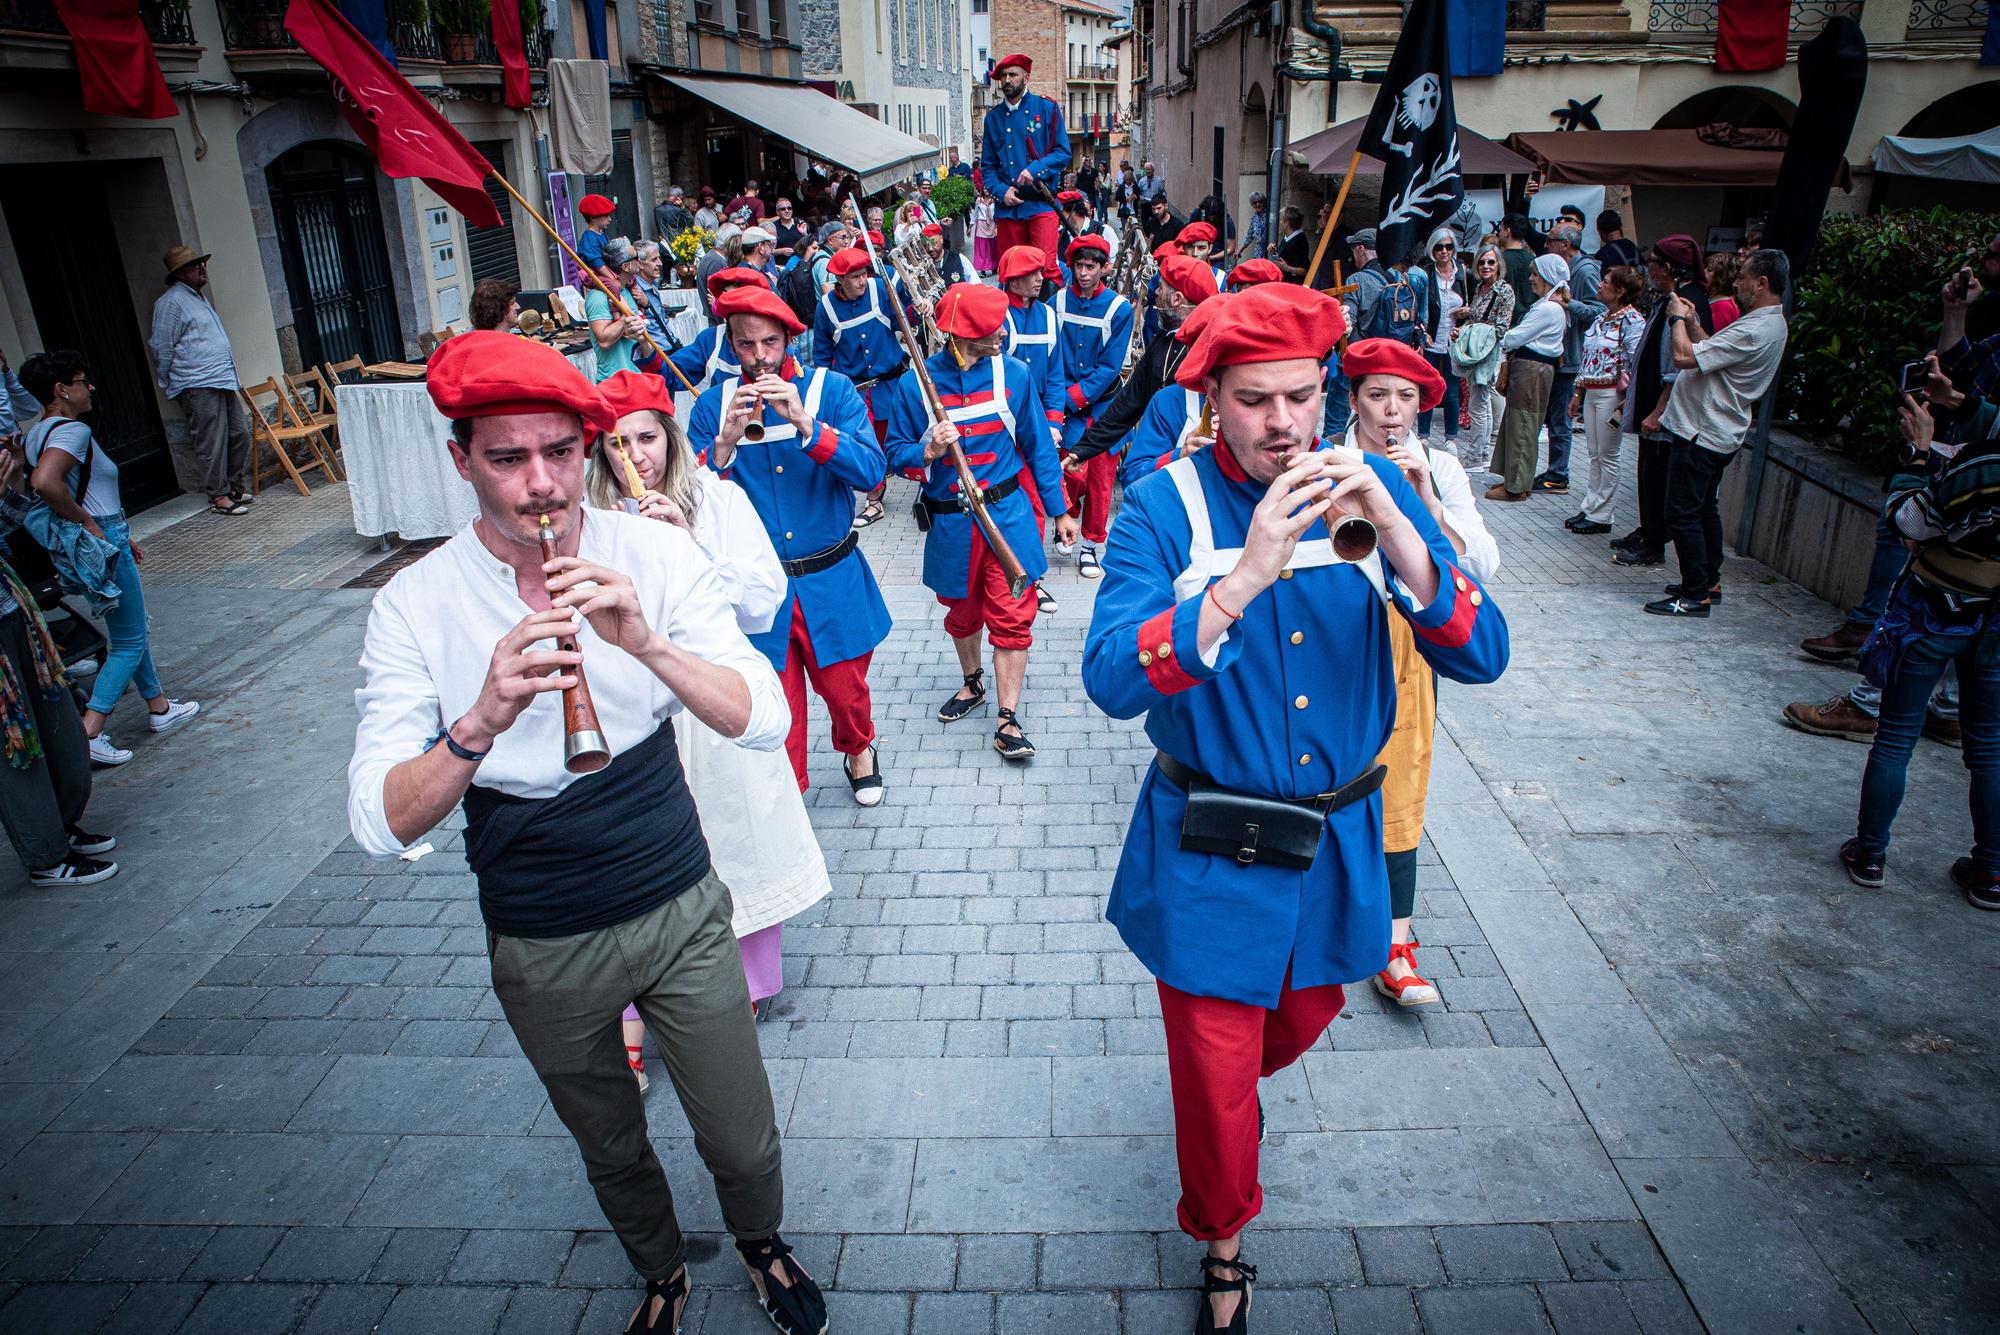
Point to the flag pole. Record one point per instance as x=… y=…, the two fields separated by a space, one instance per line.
x=616 y=301
x=1333 y=218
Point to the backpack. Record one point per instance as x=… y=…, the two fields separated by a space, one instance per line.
x=799 y=291
x=1396 y=313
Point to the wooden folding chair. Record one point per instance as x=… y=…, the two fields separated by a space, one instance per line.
x=278 y=428
x=348 y=372
x=557 y=311
x=311 y=403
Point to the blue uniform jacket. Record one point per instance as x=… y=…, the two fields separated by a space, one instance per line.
x=1299 y=699
x=1027 y=136
x=706 y=360
x=1093 y=335
x=1031 y=336
x=803 y=489
x=996 y=435
x=1170 y=418
x=857 y=338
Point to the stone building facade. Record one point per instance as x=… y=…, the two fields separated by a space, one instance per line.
x=908 y=63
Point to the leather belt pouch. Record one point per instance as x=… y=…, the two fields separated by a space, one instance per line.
x=1250 y=829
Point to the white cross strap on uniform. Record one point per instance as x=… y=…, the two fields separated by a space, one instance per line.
x=815 y=384
x=1193 y=420
x=874 y=312
x=1207 y=563
x=992 y=405
x=1101 y=323
x=1017 y=338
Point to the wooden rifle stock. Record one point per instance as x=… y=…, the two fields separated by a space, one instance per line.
x=970 y=493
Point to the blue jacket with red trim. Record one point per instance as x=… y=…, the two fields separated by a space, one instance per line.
x=803 y=486
x=1172 y=415
x=995 y=434
x=1030 y=136
x=1031 y=336
x=1295 y=700
x=1093 y=334
x=708 y=359
x=857 y=338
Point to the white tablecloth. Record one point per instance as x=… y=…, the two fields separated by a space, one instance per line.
x=400 y=477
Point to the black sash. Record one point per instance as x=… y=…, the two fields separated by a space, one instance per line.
x=609 y=847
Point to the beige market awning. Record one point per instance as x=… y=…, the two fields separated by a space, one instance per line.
x=877 y=154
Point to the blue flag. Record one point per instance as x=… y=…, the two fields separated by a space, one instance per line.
x=593 y=20
x=371 y=19
x=1478 y=38
x=1989 y=50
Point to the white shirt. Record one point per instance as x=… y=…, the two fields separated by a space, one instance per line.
x=730 y=535
x=1448 y=301
x=1713 y=402
x=1541 y=330
x=431 y=636
x=1481 y=558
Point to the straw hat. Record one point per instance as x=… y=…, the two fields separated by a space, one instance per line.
x=180 y=257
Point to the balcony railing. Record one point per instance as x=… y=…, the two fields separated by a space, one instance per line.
x=166 y=22
x=1930 y=18
x=1527 y=15
x=1696 y=19
x=1093 y=70
x=259 y=25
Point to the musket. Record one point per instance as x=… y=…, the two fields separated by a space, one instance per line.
x=970 y=494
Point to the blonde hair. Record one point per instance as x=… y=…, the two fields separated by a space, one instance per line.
x=604 y=483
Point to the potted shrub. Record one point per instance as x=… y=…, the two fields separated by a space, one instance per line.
x=460 y=24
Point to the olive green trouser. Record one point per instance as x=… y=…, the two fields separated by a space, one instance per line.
x=679 y=964
x=1521 y=427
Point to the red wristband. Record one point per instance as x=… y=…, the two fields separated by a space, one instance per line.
x=1233 y=616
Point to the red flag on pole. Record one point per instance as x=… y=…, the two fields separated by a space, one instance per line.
x=1750 y=34
x=114 y=56
x=514 y=90
x=408 y=136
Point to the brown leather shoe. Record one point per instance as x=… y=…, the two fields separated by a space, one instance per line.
x=1942 y=730
x=1838 y=717
x=1500 y=493
x=1838 y=645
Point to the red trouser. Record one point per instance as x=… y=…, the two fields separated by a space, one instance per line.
x=1216 y=1050
x=1009 y=622
x=1092 y=484
x=844 y=688
x=1041 y=231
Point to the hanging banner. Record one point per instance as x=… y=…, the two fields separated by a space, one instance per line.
x=563 y=218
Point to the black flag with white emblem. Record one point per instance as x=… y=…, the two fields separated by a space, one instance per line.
x=1413 y=131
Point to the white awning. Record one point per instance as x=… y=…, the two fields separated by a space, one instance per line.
x=1971 y=157
x=878 y=155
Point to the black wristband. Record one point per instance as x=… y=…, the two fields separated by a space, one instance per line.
x=451 y=743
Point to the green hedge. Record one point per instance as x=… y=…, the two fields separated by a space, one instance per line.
x=1866 y=304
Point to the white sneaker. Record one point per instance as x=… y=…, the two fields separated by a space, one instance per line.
x=102 y=752
x=83 y=667
x=176 y=713
x=1066 y=549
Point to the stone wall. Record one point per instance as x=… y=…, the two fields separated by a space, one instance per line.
x=819 y=34
x=1816 y=516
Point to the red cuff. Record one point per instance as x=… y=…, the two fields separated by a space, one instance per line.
x=1056 y=416
x=824 y=444
x=915 y=474
x=1156 y=655
x=1076 y=397
x=1456 y=631
x=1164 y=460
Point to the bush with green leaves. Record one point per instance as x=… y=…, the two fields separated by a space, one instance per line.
x=1867 y=303
x=951 y=196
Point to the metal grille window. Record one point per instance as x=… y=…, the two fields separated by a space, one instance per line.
x=490 y=250
x=1527 y=15
x=1936 y=16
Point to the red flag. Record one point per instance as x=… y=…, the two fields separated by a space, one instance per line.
x=514 y=89
x=121 y=75
x=407 y=135
x=1750 y=35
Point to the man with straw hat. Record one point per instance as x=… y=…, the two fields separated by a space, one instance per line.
x=197 y=370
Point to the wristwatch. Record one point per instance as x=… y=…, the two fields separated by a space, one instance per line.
x=444 y=735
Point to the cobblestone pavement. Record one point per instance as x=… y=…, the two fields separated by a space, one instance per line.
x=1685 y=1077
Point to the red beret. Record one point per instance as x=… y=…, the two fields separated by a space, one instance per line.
x=1027 y=65
x=757 y=300
x=1190 y=277
x=1096 y=243
x=595 y=206
x=1269 y=323
x=1020 y=261
x=1197 y=231
x=847 y=261
x=1249 y=273
x=1385 y=356
x=1164 y=249
x=1198 y=318
x=875 y=235
x=488 y=373
x=933 y=229
x=1065 y=196
x=633 y=391
x=971 y=310
x=723 y=278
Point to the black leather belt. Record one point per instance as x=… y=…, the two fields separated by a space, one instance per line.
x=883 y=379
x=1325 y=803
x=992 y=495
x=826 y=560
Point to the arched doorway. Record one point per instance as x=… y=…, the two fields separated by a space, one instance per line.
x=1741 y=105
x=1253 y=155
x=1713 y=215
x=329 y=225
x=1963 y=111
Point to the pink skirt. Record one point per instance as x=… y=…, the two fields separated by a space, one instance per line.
x=763 y=964
x=983 y=258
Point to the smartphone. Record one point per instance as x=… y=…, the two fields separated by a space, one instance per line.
x=1961 y=283
x=1916 y=375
